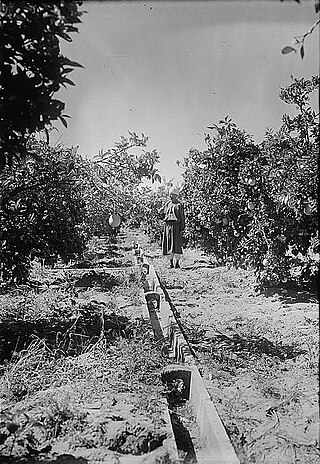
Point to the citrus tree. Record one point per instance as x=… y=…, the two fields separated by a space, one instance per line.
x=32 y=70
x=289 y=181
x=112 y=182
x=41 y=210
x=215 y=196
x=148 y=210
x=255 y=205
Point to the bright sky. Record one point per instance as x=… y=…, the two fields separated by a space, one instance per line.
x=170 y=69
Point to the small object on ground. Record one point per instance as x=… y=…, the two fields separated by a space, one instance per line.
x=114 y=220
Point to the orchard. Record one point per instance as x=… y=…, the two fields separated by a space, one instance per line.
x=250 y=205
x=96 y=325
x=255 y=205
x=41 y=210
x=54 y=201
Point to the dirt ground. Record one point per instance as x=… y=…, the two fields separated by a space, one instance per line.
x=82 y=382
x=257 y=352
x=86 y=399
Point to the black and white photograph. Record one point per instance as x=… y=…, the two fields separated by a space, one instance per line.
x=159 y=236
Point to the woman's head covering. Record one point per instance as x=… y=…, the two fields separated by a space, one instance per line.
x=174 y=191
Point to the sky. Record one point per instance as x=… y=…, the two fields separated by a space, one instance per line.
x=170 y=69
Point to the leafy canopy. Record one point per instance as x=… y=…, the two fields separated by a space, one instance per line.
x=32 y=69
x=41 y=210
x=256 y=204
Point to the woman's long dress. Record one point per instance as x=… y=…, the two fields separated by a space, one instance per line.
x=174 y=222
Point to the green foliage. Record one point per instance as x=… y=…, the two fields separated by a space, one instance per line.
x=255 y=205
x=147 y=212
x=32 y=70
x=52 y=202
x=41 y=210
x=113 y=182
x=299 y=41
x=215 y=198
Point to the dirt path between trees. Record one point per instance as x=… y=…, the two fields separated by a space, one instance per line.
x=257 y=353
x=92 y=391
x=81 y=384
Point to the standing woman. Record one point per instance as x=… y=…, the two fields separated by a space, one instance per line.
x=174 y=223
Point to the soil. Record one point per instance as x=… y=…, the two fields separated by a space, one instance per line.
x=87 y=389
x=80 y=371
x=257 y=352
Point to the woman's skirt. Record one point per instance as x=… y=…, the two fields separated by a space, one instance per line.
x=171 y=239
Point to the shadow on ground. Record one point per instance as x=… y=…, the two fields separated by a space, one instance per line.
x=292 y=294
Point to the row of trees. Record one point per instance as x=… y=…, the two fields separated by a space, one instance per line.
x=54 y=201
x=250 y=204
x=51 y=199
x=255 y=204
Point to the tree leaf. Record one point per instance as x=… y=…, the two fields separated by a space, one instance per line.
x=64 y=36
x=302 y=52
x=287 y=50
x=67 y=70
x=317 y=6
x=71 y=63
x=68 y=81
x=64 y=122
x=2 y=161
x=35 y=155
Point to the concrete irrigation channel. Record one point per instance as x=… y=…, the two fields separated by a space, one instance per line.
x=110 y=390
x=144 y=367
x=213 y=445
x=134 y=394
